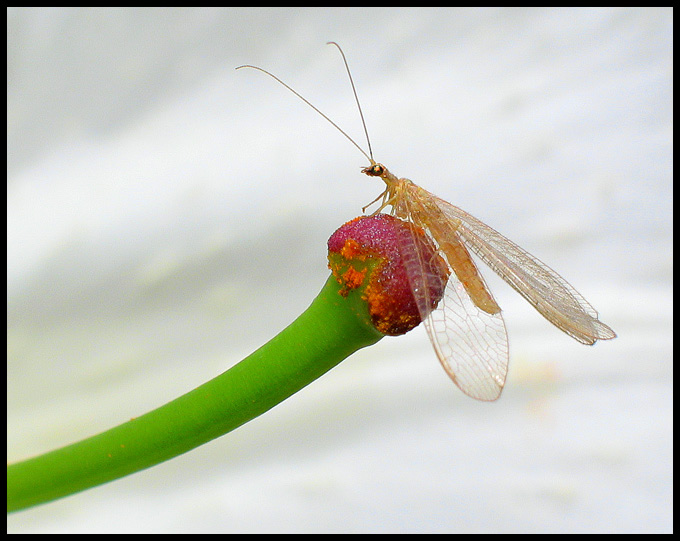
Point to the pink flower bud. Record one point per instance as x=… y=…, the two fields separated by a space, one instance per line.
x=388 y=258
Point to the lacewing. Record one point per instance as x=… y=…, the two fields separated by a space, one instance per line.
x=467 y=329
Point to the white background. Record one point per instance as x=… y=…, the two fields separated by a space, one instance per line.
x=167 y=215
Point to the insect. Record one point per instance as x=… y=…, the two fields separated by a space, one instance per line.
x=467 y=329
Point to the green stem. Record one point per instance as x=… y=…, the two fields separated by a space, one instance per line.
x=331 y=329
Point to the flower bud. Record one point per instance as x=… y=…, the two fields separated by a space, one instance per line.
x=386 y=259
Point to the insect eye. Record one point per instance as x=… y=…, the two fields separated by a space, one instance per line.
x=377 y=170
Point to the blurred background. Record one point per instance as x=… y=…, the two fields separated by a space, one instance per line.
x=167 y=215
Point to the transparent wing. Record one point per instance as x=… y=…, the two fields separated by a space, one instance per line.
x=546 y=290
x=471 y=344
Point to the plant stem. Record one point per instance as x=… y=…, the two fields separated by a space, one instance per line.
x=332 y=328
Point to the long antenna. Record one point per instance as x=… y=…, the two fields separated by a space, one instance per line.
x=369 y=157
x=356 y=97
